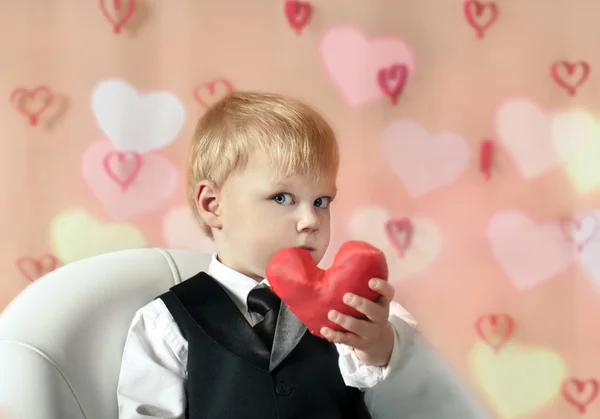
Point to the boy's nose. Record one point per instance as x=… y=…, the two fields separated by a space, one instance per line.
x=308 y=221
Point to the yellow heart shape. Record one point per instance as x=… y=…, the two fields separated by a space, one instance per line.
x=582 y=166
x=517 y=380
x=76 y=235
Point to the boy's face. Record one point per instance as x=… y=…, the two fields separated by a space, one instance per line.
x=260 y=215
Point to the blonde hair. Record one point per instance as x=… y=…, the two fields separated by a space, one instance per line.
x=295 y=137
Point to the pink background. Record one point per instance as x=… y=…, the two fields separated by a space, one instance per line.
x=478 y=247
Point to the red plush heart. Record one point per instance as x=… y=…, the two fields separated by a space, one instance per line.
x=311 y=292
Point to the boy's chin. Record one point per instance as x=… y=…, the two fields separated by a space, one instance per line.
x=317 y=258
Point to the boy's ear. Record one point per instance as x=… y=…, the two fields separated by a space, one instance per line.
x=208 y=203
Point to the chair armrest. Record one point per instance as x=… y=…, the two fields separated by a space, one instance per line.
x=32 y=387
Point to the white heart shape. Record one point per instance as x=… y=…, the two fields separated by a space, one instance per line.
x=530 y=253
x=137 y=122
x=368 y=224
x=422 y=160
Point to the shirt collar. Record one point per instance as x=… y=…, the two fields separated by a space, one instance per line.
x=237 y=285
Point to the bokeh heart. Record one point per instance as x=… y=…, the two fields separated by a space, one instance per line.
x=411 y=245
x=423 y=161
x=78 y=235
x=135 y=121
x=529 y=252
x=539 y=141
x=127 y=185
x=355 y=64
x=518 y=380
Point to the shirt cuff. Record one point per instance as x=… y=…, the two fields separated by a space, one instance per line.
x=358 y=374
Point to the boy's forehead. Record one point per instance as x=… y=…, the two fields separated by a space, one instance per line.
x=325 y=184
x=263 y=169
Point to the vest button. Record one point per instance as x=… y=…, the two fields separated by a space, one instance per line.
x=283 y=389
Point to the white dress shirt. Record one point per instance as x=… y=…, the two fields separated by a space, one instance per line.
x=152 y=380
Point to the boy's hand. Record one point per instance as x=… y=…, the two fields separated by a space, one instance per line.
x=372 y=337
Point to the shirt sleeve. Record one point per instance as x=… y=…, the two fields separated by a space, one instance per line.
x=154 y=367
x=358 y=374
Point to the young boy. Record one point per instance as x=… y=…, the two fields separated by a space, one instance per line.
x=262 y=176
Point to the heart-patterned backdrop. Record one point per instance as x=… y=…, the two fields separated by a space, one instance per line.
x=470 y=139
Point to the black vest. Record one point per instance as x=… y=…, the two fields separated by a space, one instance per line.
x=233 y=375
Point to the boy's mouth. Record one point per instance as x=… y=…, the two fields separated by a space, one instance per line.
x=310 y=249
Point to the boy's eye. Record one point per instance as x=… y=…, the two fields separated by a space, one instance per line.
x=322 y=202
x=283 y=198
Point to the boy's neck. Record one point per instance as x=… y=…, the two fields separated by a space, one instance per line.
x=230 y=266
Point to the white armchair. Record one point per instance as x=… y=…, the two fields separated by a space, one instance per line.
x=61 y=343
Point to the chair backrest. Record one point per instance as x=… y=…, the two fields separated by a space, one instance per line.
x=61 y=339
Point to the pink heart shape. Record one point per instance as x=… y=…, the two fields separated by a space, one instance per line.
x=422 y=160
x=149 y=186
x=354 y=62
x=530 y=253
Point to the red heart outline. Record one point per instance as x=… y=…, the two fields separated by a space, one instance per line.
x=211 y=87
x=399 y=226
x=122 y=156
x=298 y=14
x=494 y=320
x=565 y=227
x=31 y=94
x=580 y=386
x=480 y=7
x=570 y=67
x=486 y=158
x=118 y=24
x=396 y=73
x=38 y=265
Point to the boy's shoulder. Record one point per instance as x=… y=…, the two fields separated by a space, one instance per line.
x=155 y=308
x=187 y=285
x=152 y=311
x=183 y=289
x=161 y=306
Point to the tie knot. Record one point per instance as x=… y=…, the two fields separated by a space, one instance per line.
x=262 y=300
